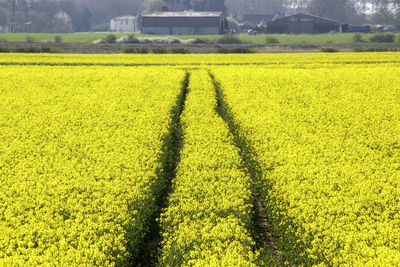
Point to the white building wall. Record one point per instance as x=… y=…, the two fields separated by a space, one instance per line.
x=123 y=25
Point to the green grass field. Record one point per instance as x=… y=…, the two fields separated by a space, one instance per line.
x=49 y=37
x=259 y=39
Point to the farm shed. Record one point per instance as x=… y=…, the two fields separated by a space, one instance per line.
x=183 y=23
x=302 y=23
x=123 y=24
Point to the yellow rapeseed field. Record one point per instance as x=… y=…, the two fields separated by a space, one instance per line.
x=103 y=156
x=327 y=141
x=79 y=155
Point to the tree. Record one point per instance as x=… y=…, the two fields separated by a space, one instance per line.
x=237 y=8
x=42 y=15
x=385 y=12
x=82 y=21
x=153 y=5
x=61 y=23
x=3 y=18
x=290 y=7
x=339 y=10
x=101 y=12
x=215 y=5
x=181 y=5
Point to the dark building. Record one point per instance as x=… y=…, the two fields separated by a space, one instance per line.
x=352 y=28
x=183 y=23
x=302 y=23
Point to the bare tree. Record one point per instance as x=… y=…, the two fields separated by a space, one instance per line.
x=153 y=5
x=238 y=8
x=3 y=18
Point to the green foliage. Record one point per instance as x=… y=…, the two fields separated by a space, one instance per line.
x=180 y=5
x=142 y=50
x=178 y=50
x=233 y=24
x=131 y=39
x=259 y=39
x=58 y=39
x=339 y=10
x=229 y=39
x=201 y=41
x=45 y=49
x=32 y=49
x=30 y=39
x=271 y=40
x=135 y=50
x=110 y=39
x=159 y=50
x=358 y=38
x=382 y=38
x=234 y=50
x=128 y=50
x=153 y=5
x=375 y=48
x=329 y=49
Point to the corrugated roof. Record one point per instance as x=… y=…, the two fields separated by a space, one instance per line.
x=124 y=18
x=191 y=14
x=299 y=15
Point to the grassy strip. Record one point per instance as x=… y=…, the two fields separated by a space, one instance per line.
x=259 y=39
x=209 y=214
x=49 y=37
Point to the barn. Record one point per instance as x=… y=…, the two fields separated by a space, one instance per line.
x=123 y=24
x=302 y=23
x=183 y=23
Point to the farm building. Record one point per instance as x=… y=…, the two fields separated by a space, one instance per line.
x=302 y=23
x=184 y=23
x=123 y=24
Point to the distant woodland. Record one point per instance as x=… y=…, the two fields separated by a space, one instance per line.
x=94 y=15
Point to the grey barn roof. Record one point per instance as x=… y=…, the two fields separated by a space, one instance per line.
x=302 y=15
x=302 y=23
x=184 y=14
x=182 y=19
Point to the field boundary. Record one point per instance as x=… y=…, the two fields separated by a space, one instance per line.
x=118 y=48
x=196 y=65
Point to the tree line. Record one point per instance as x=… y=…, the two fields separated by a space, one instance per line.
x=94 y=15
